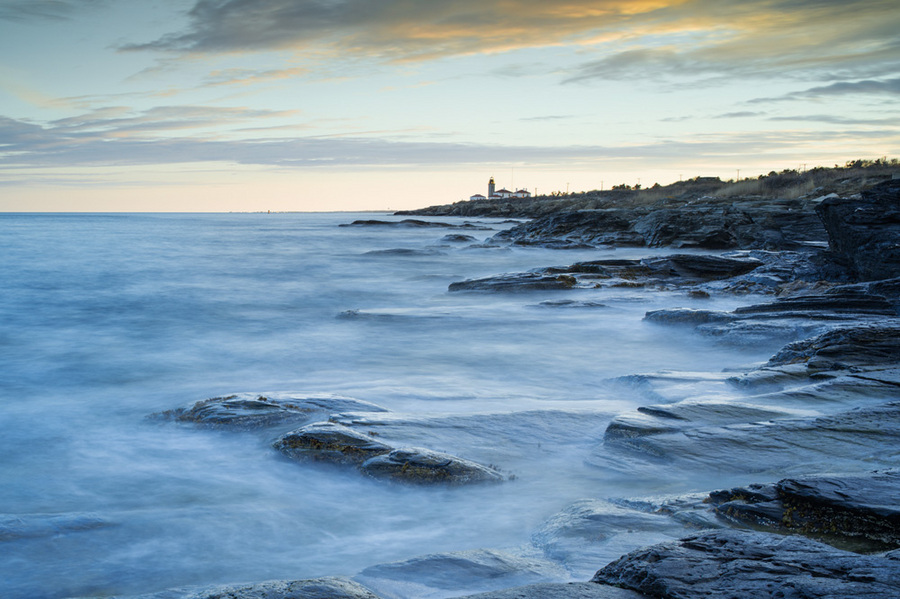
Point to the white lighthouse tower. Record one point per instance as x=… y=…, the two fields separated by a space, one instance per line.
x=491 y=188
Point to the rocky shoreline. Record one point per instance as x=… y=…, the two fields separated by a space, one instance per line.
x=831 y=265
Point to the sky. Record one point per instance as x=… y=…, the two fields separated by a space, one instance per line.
x=325 y=105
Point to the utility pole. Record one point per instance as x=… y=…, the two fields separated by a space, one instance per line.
x=738 y=176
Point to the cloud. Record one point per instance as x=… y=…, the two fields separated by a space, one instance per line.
x=114 y=138
x=839 y=120
x=394 y=29
x=56 y=10
x=840 y=88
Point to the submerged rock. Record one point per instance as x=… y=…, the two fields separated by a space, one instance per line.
x=314 y=588
x=330 y=442
x=570 y=590
x=29 y=526
x=423 y=466
x=729 y=563
x=460 y=570
x=249 y=410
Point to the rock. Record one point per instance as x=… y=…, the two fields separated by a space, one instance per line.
x=860 y=348
x=330 y=442
x=250 y=411
x=413 y=223
x=480 y=569
x=405 y=252
x=662 y=272
x=315 y=588
x=571 y=590
x=836 y=508
x=730 y=563
x=528 y=281
x=860 y=438
x=864 y=232
x=423 y=466
x=584 y=227
x=457 y=238
x=593 y=531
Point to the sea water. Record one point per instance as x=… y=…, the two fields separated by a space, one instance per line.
x=109 y=318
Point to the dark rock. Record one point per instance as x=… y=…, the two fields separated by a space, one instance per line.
x=413 y=223
x=528 y=281
x=571 y=590
x=475 y=569
x=330 y=442
x=457 y=238
x=315 y=588
x=249 y=410
x=568 y=303
x=729 y=563
x=586 y=227
x=423 y=466
x=861 y=348
x=846 y=302
x=864 y=232
x=405 y=252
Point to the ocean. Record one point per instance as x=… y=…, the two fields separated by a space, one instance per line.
x=110 y=318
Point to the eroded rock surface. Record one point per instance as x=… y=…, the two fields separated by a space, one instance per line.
x=571 y=590
x=729 y=563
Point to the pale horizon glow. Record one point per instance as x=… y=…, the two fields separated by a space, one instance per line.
x=295 y=105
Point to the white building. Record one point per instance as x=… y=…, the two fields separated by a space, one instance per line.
x=500 y=194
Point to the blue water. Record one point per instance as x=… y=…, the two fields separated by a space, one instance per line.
x=109 y=318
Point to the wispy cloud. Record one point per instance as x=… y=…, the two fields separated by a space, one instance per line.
x=889 y=87
x=26 y=10
x=111 y=138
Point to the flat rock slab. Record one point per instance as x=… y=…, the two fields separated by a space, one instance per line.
x=862 y=438
x=30 y=526
x=860 y=348
x=733 y=564
x=315 y=588
x=330 y=442
x=516 y=282
x=251 y=410
x=423 y=466
x=478 y=569
x=571 y=590
x=856 y=507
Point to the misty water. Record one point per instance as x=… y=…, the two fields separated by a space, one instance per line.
x=110 y=318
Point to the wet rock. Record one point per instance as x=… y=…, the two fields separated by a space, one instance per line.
x=457 y=238
x=330 y=442
x=840 y=301
x=568 y=303
x=423 y=466
x=584 y=227
x=858 y=507
x=593 y=531
x=662 y=272
x=413 y=223
x=405 y=252
x=728 y=563
x=250 y=411
x=571 y=590
x=315 y=588
x=860 y=348
x=528 y=281
x=480 y=569
x=864 y=232
x=860 y=438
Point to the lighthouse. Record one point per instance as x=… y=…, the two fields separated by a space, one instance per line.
x=491 y=188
